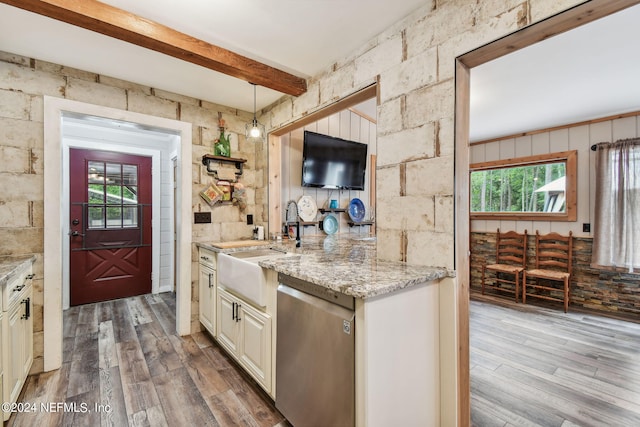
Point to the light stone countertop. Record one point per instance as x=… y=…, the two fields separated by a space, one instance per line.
x=345 y=264
x=9 y=266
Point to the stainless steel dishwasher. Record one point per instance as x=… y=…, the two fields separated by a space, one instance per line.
x=315 y=355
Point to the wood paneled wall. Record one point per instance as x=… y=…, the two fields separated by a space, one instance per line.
x=578 y=138
x=595 y=289
x=346 y=125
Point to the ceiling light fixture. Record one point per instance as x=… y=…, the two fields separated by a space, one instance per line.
x=254 y=131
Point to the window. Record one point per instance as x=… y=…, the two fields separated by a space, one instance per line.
x=113 y=195
x=526 y=188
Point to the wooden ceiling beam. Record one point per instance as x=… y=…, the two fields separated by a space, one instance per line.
x=111 y=21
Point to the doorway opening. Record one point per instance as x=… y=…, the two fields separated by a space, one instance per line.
x=285 y=159
x=565 y=21
x=71 y=124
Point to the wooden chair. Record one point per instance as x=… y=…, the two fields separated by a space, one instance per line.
x=554 y=255
x=511 y=259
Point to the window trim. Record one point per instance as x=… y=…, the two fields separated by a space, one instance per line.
x=570 y=158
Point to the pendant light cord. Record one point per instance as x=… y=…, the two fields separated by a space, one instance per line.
x=254 y=103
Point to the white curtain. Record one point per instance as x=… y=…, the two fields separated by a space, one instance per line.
x=616 y=241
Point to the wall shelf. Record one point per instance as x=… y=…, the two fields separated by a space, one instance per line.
x=338 y=210
x=208 y=159
x=359 y=224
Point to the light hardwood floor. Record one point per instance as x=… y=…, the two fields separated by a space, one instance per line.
x=537 y=366
x=126 y=354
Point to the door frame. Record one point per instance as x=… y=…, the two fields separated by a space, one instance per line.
x=155 y=207
x=54 y=208
x=566 y=20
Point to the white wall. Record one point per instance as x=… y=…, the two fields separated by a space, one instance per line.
x=345 y=125
x=578 y=138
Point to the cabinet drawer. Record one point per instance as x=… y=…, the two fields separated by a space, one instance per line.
x=207 y=257
x=16 y=285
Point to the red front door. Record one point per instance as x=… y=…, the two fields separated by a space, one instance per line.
x=110 y=213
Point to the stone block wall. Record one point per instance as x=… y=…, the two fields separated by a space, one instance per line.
x=594 y=289
x=23 y=84
x=413 y=62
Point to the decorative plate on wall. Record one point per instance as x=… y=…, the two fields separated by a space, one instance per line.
x=356 y=210
x=307 y=209
x=330 y=224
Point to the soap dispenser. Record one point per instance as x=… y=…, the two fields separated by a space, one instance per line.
x=258 y=233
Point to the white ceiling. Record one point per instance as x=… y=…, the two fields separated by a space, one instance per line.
x=589 y=72
x=302 y=37
x=579 y=75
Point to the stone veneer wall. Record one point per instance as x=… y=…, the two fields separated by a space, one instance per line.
x=594 y=289
x=414 y=62
x=24 y=82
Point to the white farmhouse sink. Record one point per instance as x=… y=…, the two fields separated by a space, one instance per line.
x=240 y=272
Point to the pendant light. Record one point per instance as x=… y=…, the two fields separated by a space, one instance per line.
x=254 y=131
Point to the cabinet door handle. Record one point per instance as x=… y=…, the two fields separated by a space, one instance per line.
x=233 y=311
x=210 y=274
x=27 y=308
x=204 y=258
x=19 y=288
x=237 y=312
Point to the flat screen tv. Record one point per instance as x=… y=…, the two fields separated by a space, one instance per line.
x=329 y=162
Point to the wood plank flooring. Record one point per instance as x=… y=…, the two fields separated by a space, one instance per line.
x=125 y=355
x=537 y=366
x=530 y=366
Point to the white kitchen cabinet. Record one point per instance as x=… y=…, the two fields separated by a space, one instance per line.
x=207 y=298
x=17 y=333
x=228 y=328
x=20 y=331
x=245 y=333
x=255 y=344
x=207 y=284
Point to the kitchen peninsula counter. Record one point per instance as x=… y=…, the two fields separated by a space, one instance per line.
x=398 y=321
x=344 y=264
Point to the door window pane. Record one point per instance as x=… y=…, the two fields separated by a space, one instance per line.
x=114 y=194
x=114 y=217
x=114 y=173
x=130 y=174
x=129 y=216
x=96 y=217
x=96 y=194
x=96 y=172
x=129 y=194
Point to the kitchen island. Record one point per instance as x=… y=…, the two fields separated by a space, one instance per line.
x=397 y=323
